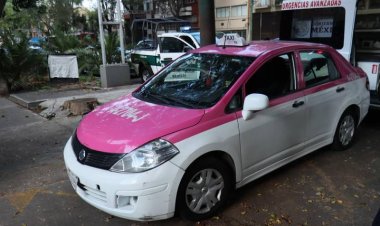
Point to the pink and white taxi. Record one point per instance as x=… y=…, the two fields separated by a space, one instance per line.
x=212 y=121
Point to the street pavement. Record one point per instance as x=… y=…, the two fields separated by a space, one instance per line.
x=323 y=188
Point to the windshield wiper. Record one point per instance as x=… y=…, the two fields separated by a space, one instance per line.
x=180 y=102
x=167 y=100
x=156 y=97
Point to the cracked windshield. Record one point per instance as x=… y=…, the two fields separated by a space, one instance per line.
x=195 y=81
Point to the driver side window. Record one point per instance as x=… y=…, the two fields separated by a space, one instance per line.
x=275 y=78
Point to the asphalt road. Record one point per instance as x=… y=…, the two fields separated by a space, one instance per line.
x=323 y=188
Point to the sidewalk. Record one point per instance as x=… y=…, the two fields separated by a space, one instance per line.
x=51 y=101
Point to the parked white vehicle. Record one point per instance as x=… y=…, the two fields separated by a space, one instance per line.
x=150 y=58
x=332 y=23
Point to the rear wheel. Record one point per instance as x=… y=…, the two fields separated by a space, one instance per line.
x=345 y=132
x=144 y=73
x=204 y=189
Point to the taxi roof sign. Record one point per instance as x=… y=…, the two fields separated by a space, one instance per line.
x=232 y=39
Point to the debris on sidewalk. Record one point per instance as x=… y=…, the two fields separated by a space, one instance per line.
x=80 y=106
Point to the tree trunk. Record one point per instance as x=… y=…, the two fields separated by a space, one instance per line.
x=80 y=106
x=2 y=5
x=4 y=89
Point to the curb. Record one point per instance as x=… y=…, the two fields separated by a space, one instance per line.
x=24 y=103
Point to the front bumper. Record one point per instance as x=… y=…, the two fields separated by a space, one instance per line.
x=146 y=196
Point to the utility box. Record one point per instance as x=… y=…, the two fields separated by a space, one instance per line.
x=112 y=75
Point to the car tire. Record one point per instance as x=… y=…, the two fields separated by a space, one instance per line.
x=144 y=74
x=345 y=131
x=204 y=189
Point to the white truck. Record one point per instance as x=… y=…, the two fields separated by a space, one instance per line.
x=149 y=56
x=331 y=22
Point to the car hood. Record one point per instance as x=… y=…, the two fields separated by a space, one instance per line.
x=127 y=123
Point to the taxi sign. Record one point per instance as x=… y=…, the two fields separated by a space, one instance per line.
x=232 y=39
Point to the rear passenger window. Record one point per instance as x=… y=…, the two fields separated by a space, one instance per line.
x=318 y=68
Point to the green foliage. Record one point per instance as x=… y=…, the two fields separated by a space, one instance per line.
x=25 y=4
x=61 y=43
x=62 y=12
x=111 y=45
x=89 y=60
x=19 y=63
x=21 y=20
x=93 y=24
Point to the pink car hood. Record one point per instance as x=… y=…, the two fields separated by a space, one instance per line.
x=127 y=123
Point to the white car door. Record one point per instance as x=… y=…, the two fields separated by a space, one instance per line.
x=277 y=132
x=325 y=92
x=171 y=48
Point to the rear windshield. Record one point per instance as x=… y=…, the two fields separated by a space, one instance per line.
x=323 y=25
x=195 y=81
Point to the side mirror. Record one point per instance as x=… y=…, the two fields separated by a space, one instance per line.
x=186 y=49
x=254 y=102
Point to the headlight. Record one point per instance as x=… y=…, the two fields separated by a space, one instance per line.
x=146 y=157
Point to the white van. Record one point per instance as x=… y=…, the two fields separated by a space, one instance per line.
x=330 y=22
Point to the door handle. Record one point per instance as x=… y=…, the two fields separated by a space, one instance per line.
x=340 y=89
x=296 y=104
x=168 y=59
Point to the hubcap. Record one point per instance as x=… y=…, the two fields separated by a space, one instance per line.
x=346 y=130
x=145 y=75
x=204 y=190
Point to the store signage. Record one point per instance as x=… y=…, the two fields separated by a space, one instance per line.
x=315 y=28
x=301 y=28
x=322 y=28
x=294 y=4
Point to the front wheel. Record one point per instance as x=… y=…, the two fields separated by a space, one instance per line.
x=345 y=132
x=204 y=189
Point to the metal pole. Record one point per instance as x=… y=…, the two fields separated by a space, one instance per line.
x=101 y=32
x=121 y=32
x=250 y=20
x=261 y=25
x=207 y=21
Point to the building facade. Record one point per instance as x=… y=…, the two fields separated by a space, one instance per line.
x=189 y=11
x=231 y=16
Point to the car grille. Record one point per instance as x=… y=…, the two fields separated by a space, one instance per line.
x=94 y=158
